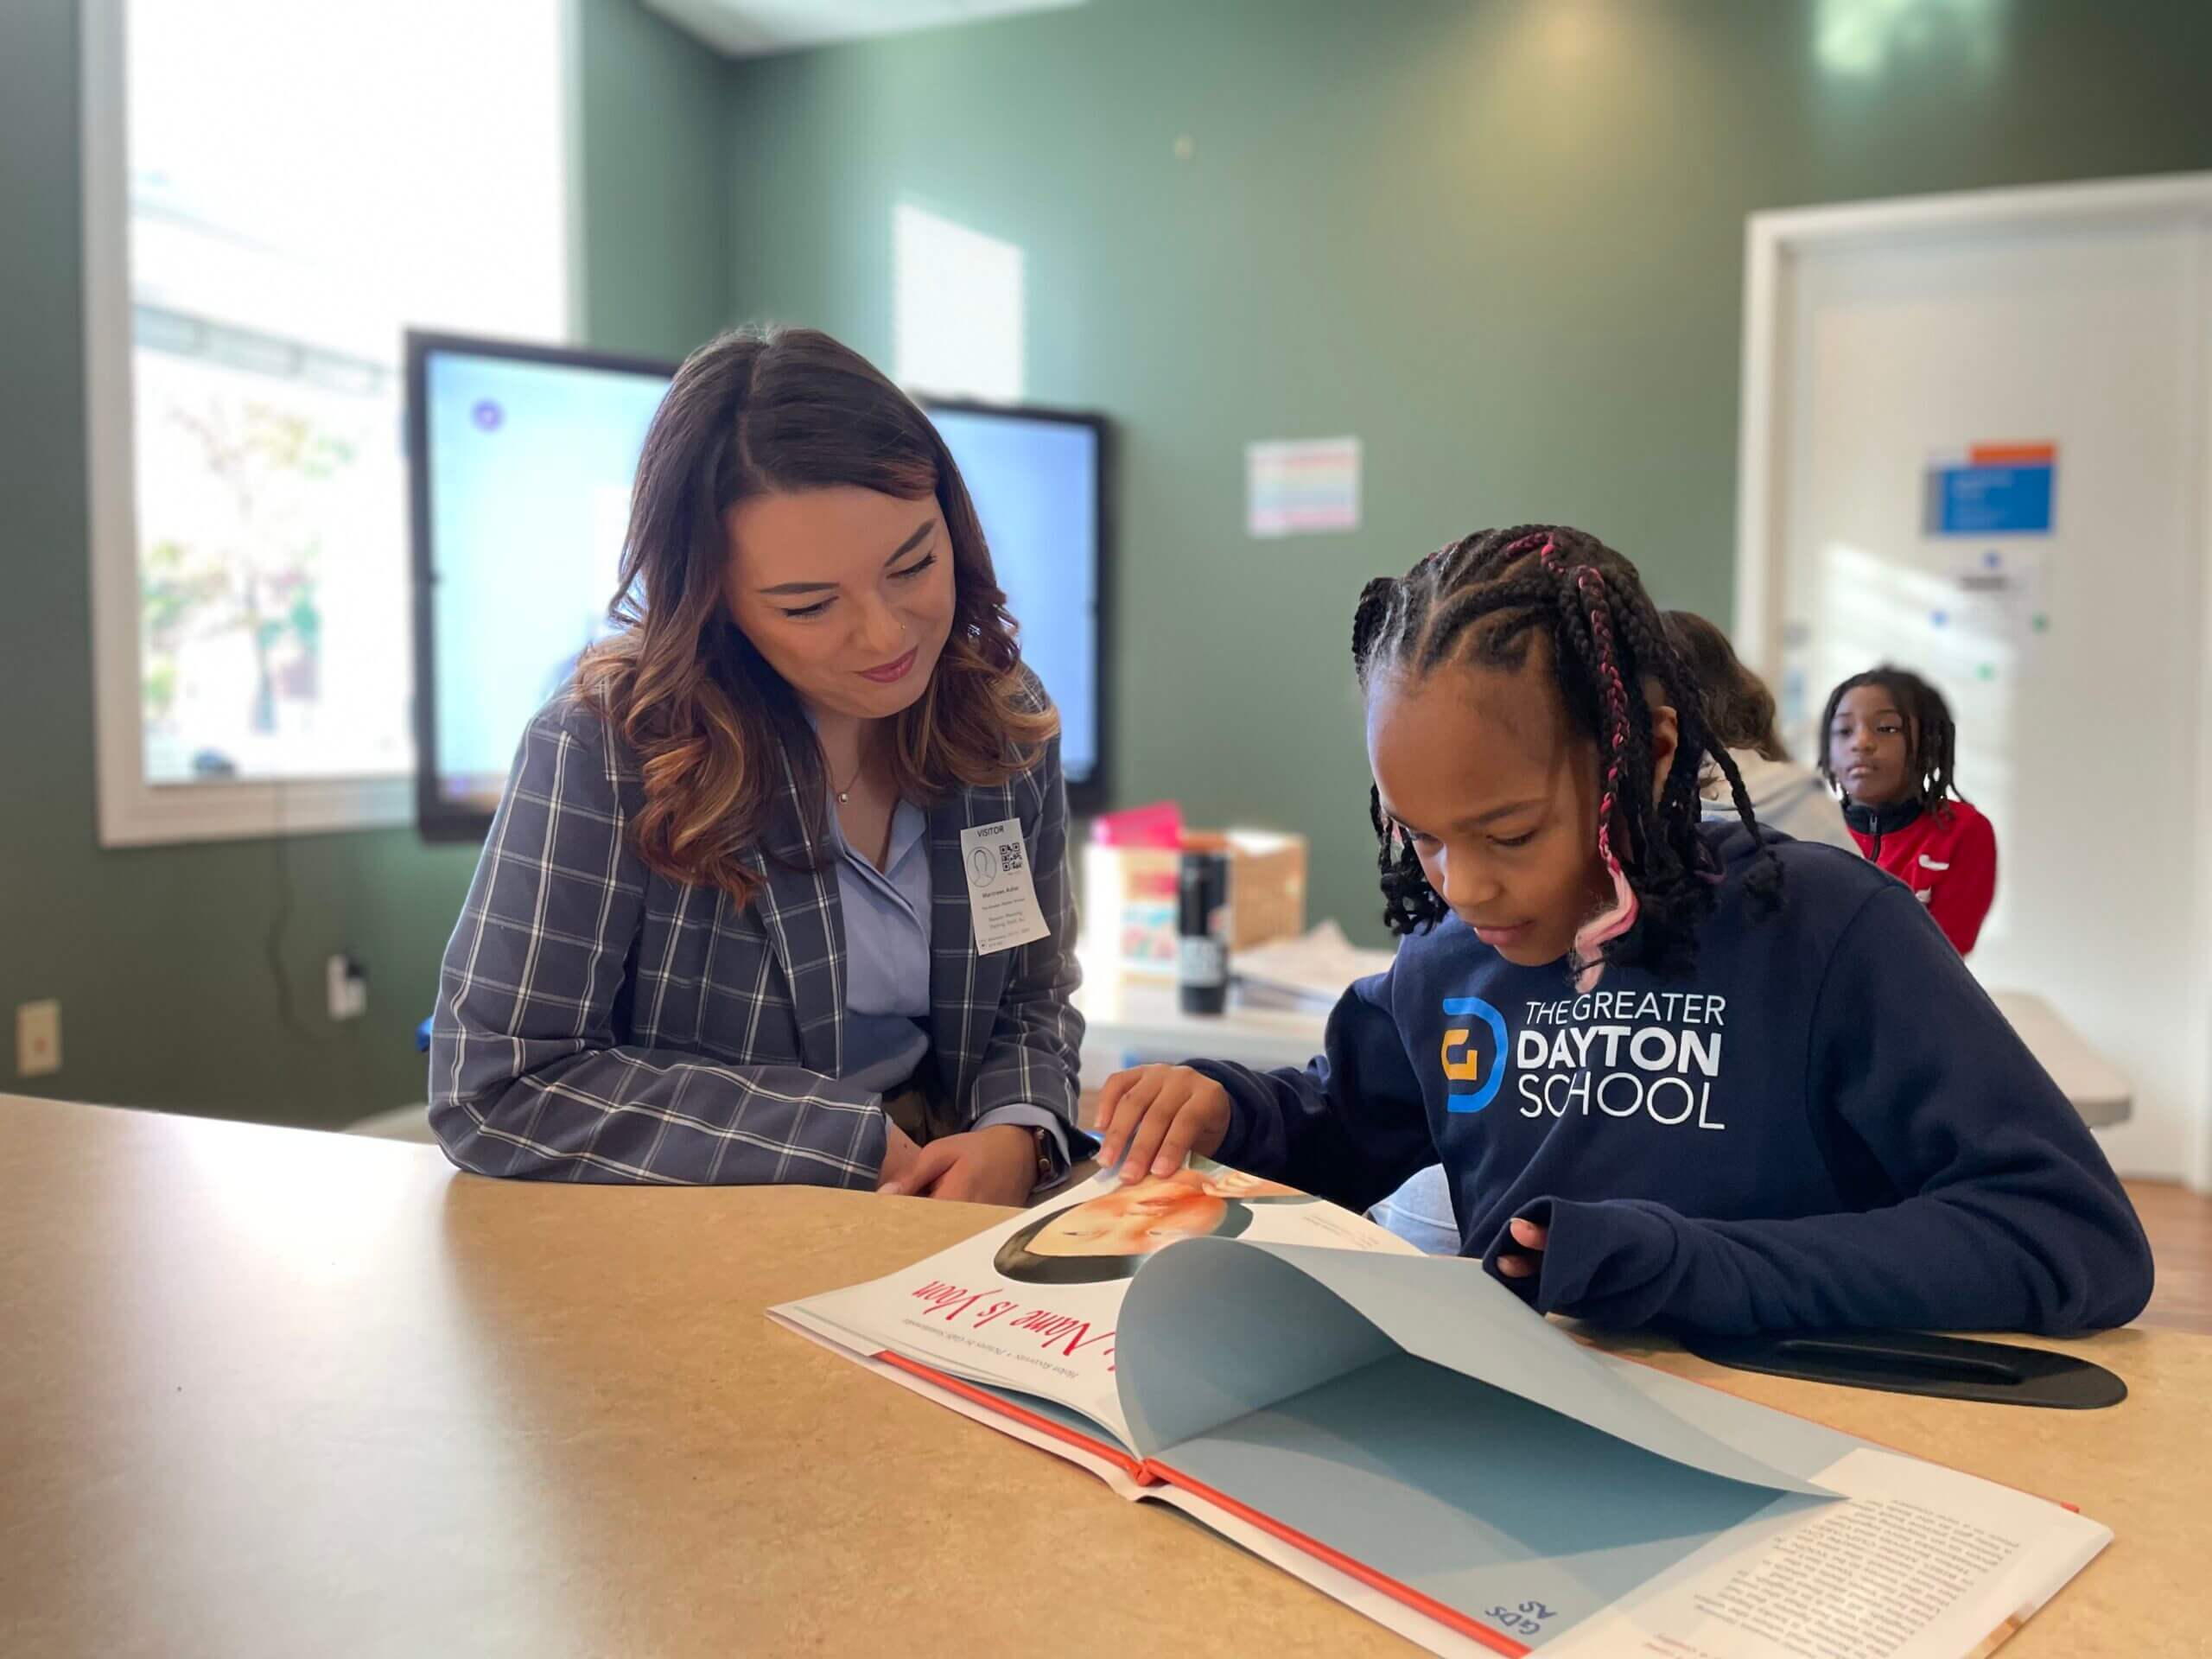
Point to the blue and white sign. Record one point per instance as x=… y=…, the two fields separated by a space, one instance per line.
x=1993 y=489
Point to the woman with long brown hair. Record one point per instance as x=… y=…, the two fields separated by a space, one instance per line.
x=721 y=929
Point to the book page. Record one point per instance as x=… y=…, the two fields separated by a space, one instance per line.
x=1033 y=1304
x=1245 y=1297
x=1921 y=1562
x=1355 y=1589
x=1470 y=1498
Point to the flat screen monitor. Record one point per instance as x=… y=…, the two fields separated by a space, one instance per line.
x=1038 y=478
x=524 y=458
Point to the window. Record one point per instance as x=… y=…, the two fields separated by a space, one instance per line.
x=1865 y=39
x=956 y=309
x=274 y=194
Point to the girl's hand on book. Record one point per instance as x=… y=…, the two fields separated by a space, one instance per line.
x=1528 y=1261
x=1151 y=1118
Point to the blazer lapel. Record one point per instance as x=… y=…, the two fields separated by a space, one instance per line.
x=804 y=920
x=964 y=986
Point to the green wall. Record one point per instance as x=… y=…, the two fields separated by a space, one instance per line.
x=1501 y=240
x=656 y=183
x=160 y=957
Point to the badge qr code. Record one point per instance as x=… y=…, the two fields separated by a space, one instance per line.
x=1010 y=859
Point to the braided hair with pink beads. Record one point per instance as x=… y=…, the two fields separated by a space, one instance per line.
x=1483 y=601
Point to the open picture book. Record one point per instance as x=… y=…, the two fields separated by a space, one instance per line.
x=1403 y=1433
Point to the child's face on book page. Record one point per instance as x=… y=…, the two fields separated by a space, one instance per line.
x=1137 y=1220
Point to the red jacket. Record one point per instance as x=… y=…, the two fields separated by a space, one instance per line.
x=1948 y=857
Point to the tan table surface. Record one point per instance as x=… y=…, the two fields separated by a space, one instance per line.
x=275 y=1392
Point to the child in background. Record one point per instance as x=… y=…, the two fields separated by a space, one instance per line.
x=1676 y=1073
x=1739 y=709
x=1889 y=748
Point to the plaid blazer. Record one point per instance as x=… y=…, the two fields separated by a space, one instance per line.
x=596 y=1021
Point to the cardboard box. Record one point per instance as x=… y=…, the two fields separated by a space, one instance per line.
x=1130 y=899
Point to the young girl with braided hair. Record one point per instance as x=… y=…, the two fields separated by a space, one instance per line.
x=1888 y=743
x=1675 y=1073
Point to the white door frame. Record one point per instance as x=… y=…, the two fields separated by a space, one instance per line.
x=1774 y=242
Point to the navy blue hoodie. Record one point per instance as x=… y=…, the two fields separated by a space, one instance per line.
x=1828 y=1123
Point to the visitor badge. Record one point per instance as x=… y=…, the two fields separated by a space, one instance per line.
x=1001 y=890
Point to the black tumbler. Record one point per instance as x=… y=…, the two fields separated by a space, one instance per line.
x=1202 y=932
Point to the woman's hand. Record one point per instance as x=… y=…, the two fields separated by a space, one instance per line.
x=1528 y=1261
x=997 y=1165
x=899 y=1155
x=1151 y=1118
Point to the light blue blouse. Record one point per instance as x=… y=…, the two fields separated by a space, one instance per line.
x=886 y=954
x=887 y=915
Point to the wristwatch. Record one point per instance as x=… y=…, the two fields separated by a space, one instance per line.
x=1048 y=1155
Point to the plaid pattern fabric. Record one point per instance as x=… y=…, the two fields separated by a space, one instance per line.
x=598 y=1022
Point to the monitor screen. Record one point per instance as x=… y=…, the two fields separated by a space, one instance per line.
x=1036 y=480
x=524 y=460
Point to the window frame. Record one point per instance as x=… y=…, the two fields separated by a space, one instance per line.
x=132 y=810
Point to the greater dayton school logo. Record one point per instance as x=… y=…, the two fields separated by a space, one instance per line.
x=1474 y=1053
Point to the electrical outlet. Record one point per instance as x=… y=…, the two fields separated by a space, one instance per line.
x=38 y=1039
x=347 y=986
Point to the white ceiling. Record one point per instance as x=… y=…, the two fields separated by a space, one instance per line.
x=751 y=29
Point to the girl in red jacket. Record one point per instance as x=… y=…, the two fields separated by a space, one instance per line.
x=1889 y=748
